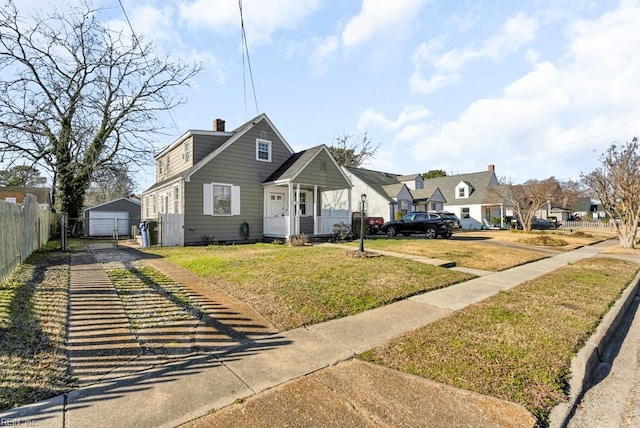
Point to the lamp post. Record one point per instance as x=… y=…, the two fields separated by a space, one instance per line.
x=363 y=198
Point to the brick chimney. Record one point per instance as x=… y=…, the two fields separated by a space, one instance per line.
x=218 y=125
x=492 y=167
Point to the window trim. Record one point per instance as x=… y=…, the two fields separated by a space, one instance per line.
x=462 y=212
x=260 y=141
x=209 y=200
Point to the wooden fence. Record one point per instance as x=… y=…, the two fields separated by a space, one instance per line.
x=24 y=228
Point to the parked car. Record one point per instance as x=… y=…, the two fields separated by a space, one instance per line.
x=429 y=224
x=450 y=218
x=372 y=224
x=540 y=224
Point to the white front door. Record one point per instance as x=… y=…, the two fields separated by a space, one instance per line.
x=277 y=206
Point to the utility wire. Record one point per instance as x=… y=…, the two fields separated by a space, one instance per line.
x=246 y=51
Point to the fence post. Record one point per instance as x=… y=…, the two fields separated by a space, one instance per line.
x=63 y=231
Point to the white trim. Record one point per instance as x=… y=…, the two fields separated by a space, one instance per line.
x=235 y=137
x=260 y=141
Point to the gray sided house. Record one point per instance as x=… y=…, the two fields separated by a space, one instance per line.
x=116 y=216
x=243 y=185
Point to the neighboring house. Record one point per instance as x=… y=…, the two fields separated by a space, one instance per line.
x=468 y=196
x=247 y=184
x=16 y=195
x=588 y=209
x=392 y=195
x=119 y=215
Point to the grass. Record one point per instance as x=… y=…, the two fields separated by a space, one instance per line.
x=518 y=345
x=470 y=254
x=297 y=286
x=33 y=309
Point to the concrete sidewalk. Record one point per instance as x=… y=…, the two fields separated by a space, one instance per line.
x=191 y=387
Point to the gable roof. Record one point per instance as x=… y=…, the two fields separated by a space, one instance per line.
x=477 y=181
x=376 y=180
x=130 y=200
x=237 y=133
x=297 y=162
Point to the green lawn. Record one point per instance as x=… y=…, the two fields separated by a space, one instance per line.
x=296 y=286
x=517 y=345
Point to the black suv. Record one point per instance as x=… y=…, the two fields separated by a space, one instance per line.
x=429 y=224
x=450 y=218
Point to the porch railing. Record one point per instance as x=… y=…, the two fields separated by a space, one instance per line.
x=325 y=225
x=276 y=226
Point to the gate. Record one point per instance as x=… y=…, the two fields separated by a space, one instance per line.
x=172 y=230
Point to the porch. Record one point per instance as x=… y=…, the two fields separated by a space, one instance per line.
x=296 y=209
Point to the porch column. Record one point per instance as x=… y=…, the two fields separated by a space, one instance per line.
x=265 y=209
x=291 y=209
x=349 y=204
x=297 y=225
x=501 y=216
x=315 y=209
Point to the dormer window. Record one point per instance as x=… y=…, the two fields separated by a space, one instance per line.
x=263 y=150
x=186 y=151
x=461 y=192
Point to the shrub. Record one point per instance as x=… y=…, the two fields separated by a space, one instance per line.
x=340 y=231
x=298 y=240
x=544 y=240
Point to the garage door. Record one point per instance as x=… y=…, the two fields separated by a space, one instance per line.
x=101 y=223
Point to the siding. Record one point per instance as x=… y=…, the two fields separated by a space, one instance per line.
x=236 y=165
x=322 y=171
x=204 y=144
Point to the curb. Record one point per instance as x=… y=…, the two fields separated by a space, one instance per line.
x=588 y=358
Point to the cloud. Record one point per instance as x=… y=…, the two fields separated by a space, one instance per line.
x=379 y=17
x=322 y=53
x=261 y=18
x=516 y=32
x=372 y=119
x=556 y=115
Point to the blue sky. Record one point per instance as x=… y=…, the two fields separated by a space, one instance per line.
x=538 y=88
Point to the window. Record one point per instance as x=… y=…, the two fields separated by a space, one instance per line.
x=302 y=206
x=147 y=203
x=263 y=150
x=167 y=165
x=419 y=184
x=176 y=199
x=160 y=171
x=164 y=203
x=465 y=213
x=221 y=199
x=186 y=151
x=461 y=192
x=153 y=204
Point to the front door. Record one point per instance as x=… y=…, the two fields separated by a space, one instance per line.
x=277 y=206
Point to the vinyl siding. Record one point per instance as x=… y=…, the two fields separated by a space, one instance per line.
x=202 y=145
x=323 y=172
x=236 y=165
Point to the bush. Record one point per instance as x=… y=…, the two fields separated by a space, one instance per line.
x=340 y=232
x=298 y=240
x=544 y=240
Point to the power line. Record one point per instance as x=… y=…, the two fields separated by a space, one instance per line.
x=246 y=51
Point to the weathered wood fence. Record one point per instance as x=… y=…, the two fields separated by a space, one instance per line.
x=24 y=228
x=603 y=225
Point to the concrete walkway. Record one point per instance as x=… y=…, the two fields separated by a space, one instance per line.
x=192 y=386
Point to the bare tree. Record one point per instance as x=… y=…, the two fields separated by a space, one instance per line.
x=109 y=183
x=617 y=184
x=353 y=153
x=75 y=96
x=528 y=198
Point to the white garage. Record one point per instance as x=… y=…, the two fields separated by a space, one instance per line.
x=120 y=214
x=103 y=223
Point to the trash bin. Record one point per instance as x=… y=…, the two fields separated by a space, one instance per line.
x=153 y=231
